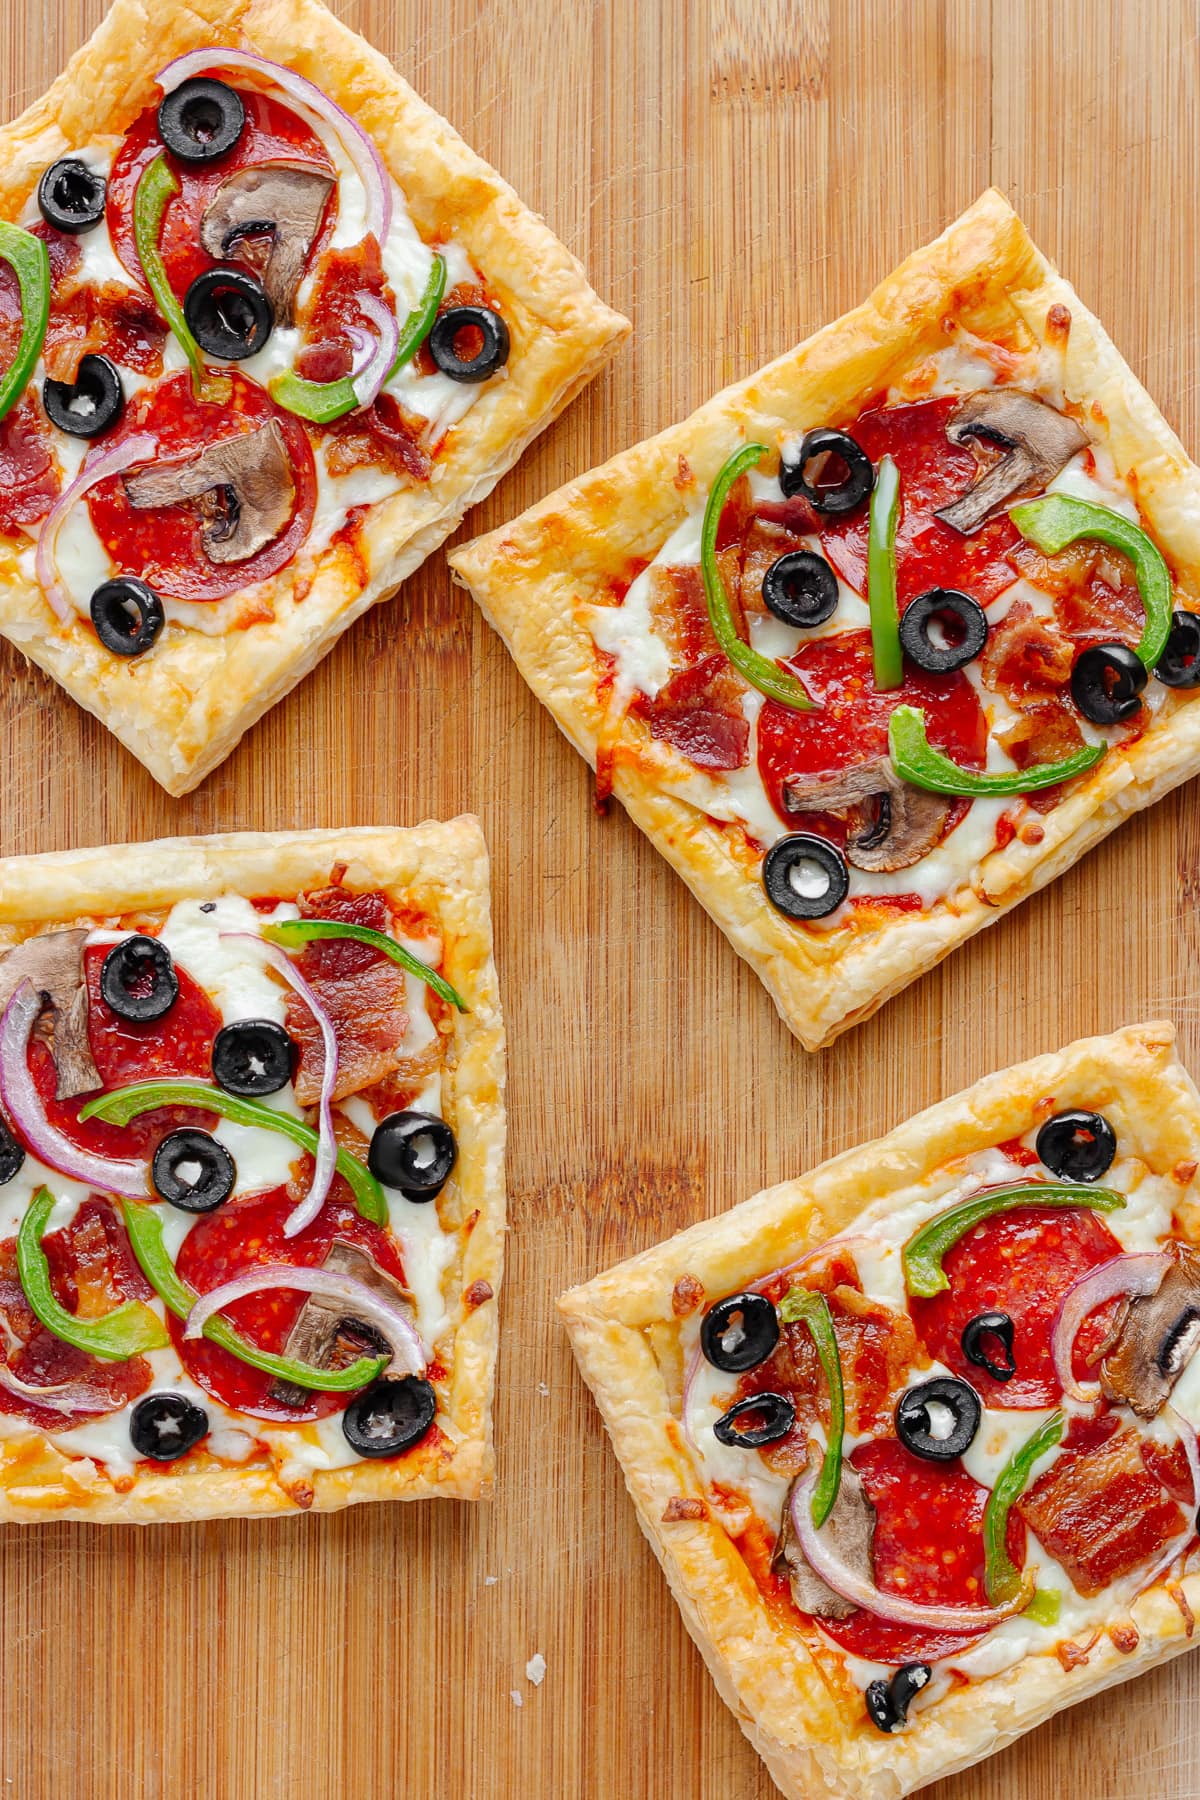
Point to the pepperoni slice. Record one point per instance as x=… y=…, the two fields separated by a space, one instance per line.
x=162 y=543
x=244 y=1234
x=1022 y=1263
x=29 y=479
x=928 y=1546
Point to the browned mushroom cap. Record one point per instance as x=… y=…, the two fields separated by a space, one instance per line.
x=1155 y=1337
x=54 y=964
x=850 y=1529
x=314 y=1336
x=279 y=201
x=1039 y=442
x=899 y=823
x=244 y=485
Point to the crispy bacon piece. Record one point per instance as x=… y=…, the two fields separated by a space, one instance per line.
x=1046 y=732
x=1100 y=1513
x=699 y=708
x=362 y=991
x=385 y=433
x=29 y=481
x=1026 y=654
x=763 y=545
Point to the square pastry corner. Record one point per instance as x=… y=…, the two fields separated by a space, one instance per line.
x=740 y=705
x=847 y=1651
x=271 y=1065
x=264 y=347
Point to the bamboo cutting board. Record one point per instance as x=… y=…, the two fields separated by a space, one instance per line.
x=734 y=173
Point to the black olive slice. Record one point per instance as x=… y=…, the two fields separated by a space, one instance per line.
x=801 y=589
x=985 y=1325
x=805 y=876
x=776 y=1412
x=138 y=979
x=492 y=353
x=165 y=1427
x=127 y=615
x=739 y=1333
x=1077 y=1146
x=915 y=1422
x=228 y=313
x=888 y=1701
x=193 y=1171
x=1179 y=664
x=825 y=497
x=201 y=120
x=1106 y=682
x=390 y=1416
x=92 y=403
x=252 y=1056
x=71 y=197
x=970 y=628
x=12 y=1154
x=412 y=1151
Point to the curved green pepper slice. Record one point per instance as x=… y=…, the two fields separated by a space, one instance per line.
x=801 y=1304
x=126 y=1103
x=157 y=185
x=146 y=1236
x=1001 y=1575
x=915 y=759
x=881 y=576
x=324 y=401
x=923 y=1253
x=29 y=261
x=1056 y=521
x=758 y=670
x=291 y=933
x=126 y=1331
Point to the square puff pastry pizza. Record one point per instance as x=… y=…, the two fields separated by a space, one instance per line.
x=977 y=376
x=1090 y=1500
x=256 y=571
x=135 y=1212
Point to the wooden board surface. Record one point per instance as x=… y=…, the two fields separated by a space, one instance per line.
x=734 y=173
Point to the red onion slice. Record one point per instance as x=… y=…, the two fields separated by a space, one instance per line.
x=369 y=384
x=861 y=1592
x=361 y=1302
x=362 y=153
x=363 y=347
x=97 y=466
x=24 y=1107
x=1176 y=1548
x=1123 y=1276
x=326 y=1158
x=66 y=1397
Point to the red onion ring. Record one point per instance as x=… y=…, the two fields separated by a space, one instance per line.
x=24 y=1107
x=97 y=466
x=1122 y=1276
x=326 y=1158
x=368 y=165
x=369 y=384
x=361 y=1303
x=363 y=348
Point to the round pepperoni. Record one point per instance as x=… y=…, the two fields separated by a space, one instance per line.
x=928 y=1546
x=162 y=543
x=1022 y=1263
x=244 y=1234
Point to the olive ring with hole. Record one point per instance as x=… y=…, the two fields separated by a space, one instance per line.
x=916 y=1424
x=776 y=1411
x=138 y=979
x=413 y=1152
x=90 y=404
x=390 y=1416
x=805 y=876
x=492 y=353
x=934 y=606
x=252 y=1057
x=192 y=1171
x=835 y=498
x=71 y=197
x=228 y=313
x=801 y=589
x=1106 y=683
x=740 y=1332
x=127 y=614
x=1179 y=664
x=201 y=119
x=165 y=1427
x=997 y=1325
x=1077 y=1145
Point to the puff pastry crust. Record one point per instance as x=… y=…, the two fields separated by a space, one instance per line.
x=535 y=577
x=441 y=870
x=182 y=711
x=618 y=1323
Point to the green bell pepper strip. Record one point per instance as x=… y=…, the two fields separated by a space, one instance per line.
x=758 y=670
x=29 y=261
x=120 y=1334
x=324 y=401
x=146 y=1236
x=292 y=933
x=923 y=1253
x=156 y=186
x=881 y=576
x=1058 y=520
x=1001 y=1576
x=915 y=759
x=126 y=1103
x=1045 y=1606
x=800 y=1304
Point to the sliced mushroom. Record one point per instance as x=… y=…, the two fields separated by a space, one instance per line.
x=54 y=964
x=1155 y=1338
x=282 y=202
x=898 y=823
x=243 y=485
x=1039 y=442
x=320 y=1321
x=850 y=1529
